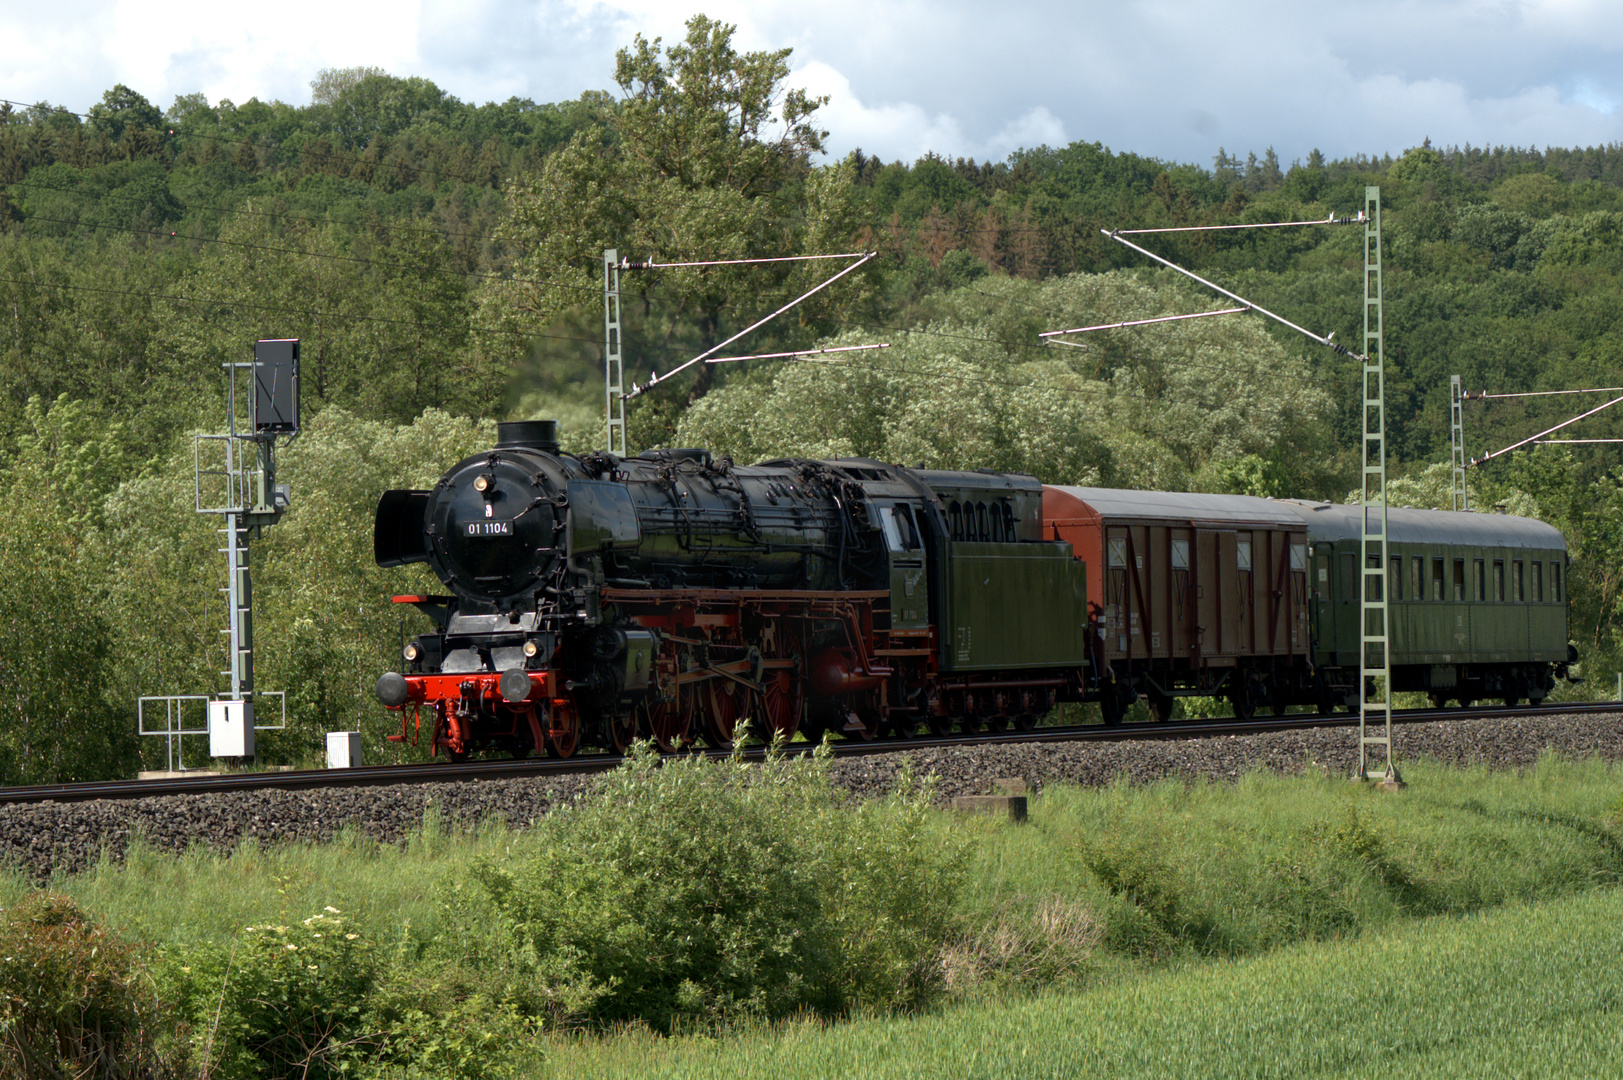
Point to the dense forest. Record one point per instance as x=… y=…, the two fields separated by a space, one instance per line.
x=441 y=263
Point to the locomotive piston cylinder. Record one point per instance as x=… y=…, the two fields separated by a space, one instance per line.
x=832 y=673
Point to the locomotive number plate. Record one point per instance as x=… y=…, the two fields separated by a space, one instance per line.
x=487 y=528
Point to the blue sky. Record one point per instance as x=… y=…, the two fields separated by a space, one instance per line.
x=1174 y=79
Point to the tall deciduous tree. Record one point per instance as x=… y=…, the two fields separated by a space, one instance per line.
x=705 y=157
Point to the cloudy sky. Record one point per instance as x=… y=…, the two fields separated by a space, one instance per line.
x=1174 y=79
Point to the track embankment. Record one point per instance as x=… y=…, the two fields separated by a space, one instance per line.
x=68 y=836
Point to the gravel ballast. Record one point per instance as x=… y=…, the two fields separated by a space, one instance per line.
x=41 y=837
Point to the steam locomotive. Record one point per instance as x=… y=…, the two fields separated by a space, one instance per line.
x=597 y=599
x=594 y=599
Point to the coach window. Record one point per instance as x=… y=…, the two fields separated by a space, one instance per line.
x=1516 y=588
x=1394 y=573
x=1372 y=582
x=1117 y=555
x=1417 y=578
x=1555 y=582
x=1180 y=554
x=983 y=531
x=1349 y=576
x=1499 y=580
x=1242 y=554
x=1437 y=577
x=955 y=516
x=1459 y=579
x=1480 y=580
x=1538 y=582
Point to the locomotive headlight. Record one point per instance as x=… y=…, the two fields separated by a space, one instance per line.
x=481 y=483
x=531 y=648
x=411 y=652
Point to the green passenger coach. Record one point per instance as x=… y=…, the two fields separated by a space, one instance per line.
x=1477 y=602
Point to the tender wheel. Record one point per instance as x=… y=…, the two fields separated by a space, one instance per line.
x=970 y=719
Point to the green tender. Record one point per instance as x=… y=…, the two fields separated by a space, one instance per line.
x=1013 y=606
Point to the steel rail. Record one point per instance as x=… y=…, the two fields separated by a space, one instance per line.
x=445 y=772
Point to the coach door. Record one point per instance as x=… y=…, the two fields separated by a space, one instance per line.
x=909 y=586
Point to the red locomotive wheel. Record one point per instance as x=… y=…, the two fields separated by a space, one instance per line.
x=783 y=697
x=863 y=721
x=620 y=730
x=725 y=701
x=670 y=722
x=563 y=729
x=782 y=703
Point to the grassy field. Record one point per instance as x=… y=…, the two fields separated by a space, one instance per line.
x=1286 y=926
x=1530 y=990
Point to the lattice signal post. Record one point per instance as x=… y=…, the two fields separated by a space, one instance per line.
x=1456 y=418
x=1375 y=674
x=1374 y=659
x=235 y=477
x=614 y=372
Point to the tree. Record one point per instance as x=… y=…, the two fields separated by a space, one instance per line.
x=122 y=109
x=1208 y=404
x=330 y=83
x=57 y=722
x=705 y=157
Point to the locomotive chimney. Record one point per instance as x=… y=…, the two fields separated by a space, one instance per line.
x=539 y=435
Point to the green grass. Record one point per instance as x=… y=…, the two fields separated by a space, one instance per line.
x=202 y=896
x=1277 y=926
x=1225 y=870
x=1528 y=990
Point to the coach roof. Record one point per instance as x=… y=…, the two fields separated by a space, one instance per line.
x=1332 y=522
x=1116 y=504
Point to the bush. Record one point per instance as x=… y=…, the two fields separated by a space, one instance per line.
x=280 y=1001
x=690 y=892
x=74 y=1000
x=318 y=1000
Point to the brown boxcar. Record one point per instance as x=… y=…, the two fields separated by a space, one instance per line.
x=1189 y=594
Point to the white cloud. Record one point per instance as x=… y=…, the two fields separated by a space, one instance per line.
x=1173 y=79
x=895 y=130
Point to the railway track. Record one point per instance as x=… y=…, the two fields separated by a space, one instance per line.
x=443 y=772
